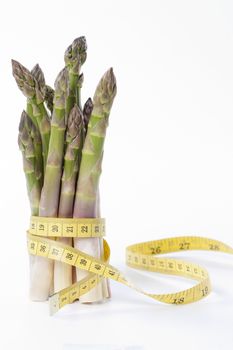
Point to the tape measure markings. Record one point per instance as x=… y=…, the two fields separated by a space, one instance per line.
x=65 y=227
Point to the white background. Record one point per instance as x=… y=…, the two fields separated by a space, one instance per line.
x=168 y=165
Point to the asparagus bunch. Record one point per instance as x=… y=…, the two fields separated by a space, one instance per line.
x=62 y=147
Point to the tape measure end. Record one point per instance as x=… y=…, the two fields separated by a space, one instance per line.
x=53 y=304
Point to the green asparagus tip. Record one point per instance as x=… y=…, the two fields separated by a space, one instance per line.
x=39 y=82
x=108 y=84
x=60 y=89
x=61 y=80
x=75 y=121
x=87 y=110
x=26 y=125
x=74 y=126
x=22 y=121
x=111 y=81
x=76 y=54
x=23 y=78
x=38 y=75
x=74 y=142
x=105 y=93
x=32 y=84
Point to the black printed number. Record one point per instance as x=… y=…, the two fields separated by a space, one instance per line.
x=178 y=301
x=184 y=245
x=205 y=291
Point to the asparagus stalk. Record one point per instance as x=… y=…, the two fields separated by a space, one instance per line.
x=87 y=110
x=32 y=84
x=75 y=56
x=41 y=285
x=28 y=136
x=90 y=170
x=51 y=189
x=74 y=140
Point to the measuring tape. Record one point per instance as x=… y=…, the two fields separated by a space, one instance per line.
x=138 y=256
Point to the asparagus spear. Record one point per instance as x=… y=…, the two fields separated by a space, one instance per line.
x=75 y=56
x=74 y=140
x=87 y=110
x=28 y=136
x=42 y=282
x=90 y=170
x=32 y=84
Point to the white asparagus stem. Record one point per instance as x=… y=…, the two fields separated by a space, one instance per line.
x=62 y=271
x=91 y=247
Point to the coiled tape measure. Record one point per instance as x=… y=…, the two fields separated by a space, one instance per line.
x=138 y=256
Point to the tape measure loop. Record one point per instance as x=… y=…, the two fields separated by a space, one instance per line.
x=142 y=256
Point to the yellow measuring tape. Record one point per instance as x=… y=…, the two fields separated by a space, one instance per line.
x=138 y=256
